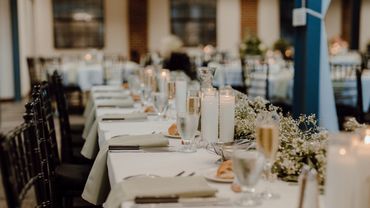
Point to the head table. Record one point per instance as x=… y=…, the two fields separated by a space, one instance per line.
x=122 y=164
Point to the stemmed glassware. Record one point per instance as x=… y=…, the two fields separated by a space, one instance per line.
x=267 y=137
x=149 y=84
x=171 y=93
x=206 y=76
x=247 y=167
x=193 y=101
x=160 y=101
x=187 y=122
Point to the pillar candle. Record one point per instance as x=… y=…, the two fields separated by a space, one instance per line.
x=181 y=88
x=341 y=164
x=227 y=115
x=209 y=115
x=363 y=171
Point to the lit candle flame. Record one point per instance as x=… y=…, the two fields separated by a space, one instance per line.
x=342 y=151
x=367 y=139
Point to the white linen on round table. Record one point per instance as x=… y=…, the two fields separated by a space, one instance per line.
x=89 y=75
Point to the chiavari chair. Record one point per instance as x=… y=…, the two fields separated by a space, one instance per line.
x=23 y=161
x=347 y=85
x=68 y=179
x=34 y=71
x=257 y=79
x=72 y=156
x=70 y=144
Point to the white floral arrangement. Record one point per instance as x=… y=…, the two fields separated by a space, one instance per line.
x=302 y=141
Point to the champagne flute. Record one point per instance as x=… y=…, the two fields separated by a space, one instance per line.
x=267 y=137
x=160 y=101
x=171 y=93
x=187 y=124
x=247 y=167
x=193 y=101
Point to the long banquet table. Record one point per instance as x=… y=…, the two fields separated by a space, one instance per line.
x=123 y=164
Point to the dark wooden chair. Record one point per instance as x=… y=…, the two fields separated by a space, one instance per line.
x=68 y=179
x=68 y=153
x=34 y=71
x=347 y=85
x=23 y=162
x=71 y=144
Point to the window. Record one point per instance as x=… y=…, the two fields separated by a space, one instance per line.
x=194 y=21
x=286 y=19
x=78 y=23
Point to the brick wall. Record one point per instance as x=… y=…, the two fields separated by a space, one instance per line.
x=248 y=19
x=138 y=28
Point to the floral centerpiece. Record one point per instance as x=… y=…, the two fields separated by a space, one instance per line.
x=302 y=141
x=251 y=46
x=284 y=47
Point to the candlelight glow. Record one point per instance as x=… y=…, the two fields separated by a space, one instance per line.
x=88 y=57
x=342 y=151
x=367 y=139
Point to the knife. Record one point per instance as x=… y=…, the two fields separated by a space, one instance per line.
x=137 y=148
x=201 y=201
x=123 y=119
x=112 y=106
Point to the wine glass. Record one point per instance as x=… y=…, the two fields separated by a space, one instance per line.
x=160 y=101
x=267 y=137
x=247 y=167
x=187 y=125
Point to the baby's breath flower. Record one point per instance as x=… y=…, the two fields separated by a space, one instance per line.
x=301 y=140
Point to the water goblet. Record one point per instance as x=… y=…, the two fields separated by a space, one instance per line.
x=247 y=167
x=187 y=125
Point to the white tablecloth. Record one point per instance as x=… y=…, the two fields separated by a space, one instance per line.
x=121 y=165
x=125 y=164
x=83 y=75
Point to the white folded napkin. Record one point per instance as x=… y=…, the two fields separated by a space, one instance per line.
x=127 y=102
x=113 y=95
x=127 y=190
x=91 y=147
x=97 y=185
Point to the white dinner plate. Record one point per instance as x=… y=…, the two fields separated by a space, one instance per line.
x=178 y=136
x=171 y=136
x=210 y=174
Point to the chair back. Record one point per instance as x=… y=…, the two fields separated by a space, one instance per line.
x=347 y=85
x=34 y=71
x=257 y=79
x=42 y=93
x=65 y=128
x=23 y=164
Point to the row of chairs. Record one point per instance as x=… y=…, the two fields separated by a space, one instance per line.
x=347 y=83
x=38 y=71
x=29 y=156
